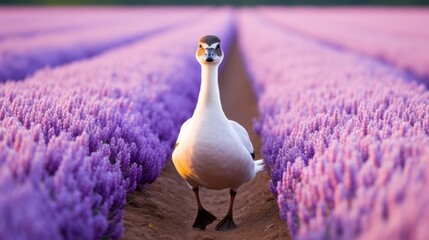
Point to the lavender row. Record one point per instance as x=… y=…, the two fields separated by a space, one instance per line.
x=396 y=36
x=20 y=57
x=346 y=138
x=30 y=21
x=74 y=140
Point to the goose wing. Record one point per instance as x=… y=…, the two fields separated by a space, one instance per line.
x=243 y=136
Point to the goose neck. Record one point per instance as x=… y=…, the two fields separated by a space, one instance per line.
x=209 y=96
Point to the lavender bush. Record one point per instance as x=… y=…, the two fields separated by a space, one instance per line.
x=75 y=139
x=396 y=36
x=20 y=57
x=345 y=136
x=29 y=21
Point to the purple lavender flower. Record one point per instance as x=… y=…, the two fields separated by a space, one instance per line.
x=396 y=36
x=75 y=140
x=22 y=56
x=346 y=137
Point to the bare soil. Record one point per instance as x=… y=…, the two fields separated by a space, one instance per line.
x=167 y=208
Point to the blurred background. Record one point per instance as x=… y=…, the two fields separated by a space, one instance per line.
x=219 y=2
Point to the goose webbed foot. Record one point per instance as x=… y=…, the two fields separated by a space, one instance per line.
x=226 y=224
x=203 y=219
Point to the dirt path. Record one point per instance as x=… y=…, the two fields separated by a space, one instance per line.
x=166 y=209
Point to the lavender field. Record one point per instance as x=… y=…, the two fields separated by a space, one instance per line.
x=92 y=100
x=346 y=136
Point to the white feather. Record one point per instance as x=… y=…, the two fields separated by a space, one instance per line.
x=242 y=135
x=259 y=165
x=212 y=151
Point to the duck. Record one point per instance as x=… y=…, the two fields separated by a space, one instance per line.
x=212 y=151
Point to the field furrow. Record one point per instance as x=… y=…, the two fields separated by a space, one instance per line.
x=22 y=56
x=76 y=139
x=346 y=137
x=395 y=36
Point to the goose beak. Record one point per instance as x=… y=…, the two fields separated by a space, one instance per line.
x=209 y=55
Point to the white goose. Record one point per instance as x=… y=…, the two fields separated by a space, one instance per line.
x=212 y=151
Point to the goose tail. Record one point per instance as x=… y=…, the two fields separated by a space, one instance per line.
x=259 y=165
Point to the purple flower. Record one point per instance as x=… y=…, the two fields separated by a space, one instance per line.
x=75 y=140
x=346 y=137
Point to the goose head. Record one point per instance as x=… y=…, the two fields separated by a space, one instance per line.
x=209 y=51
